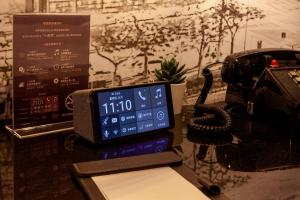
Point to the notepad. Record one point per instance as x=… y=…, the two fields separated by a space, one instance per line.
x=162 y=183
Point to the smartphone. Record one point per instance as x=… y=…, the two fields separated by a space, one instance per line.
x=102 y=115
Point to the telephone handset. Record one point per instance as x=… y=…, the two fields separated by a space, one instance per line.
x=243 y=70
x=209 y=120
x=265 y=83
x=257 y=79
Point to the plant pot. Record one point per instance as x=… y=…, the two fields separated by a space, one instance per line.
x=177 y=96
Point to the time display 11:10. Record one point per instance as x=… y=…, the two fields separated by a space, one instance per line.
x=116 y=107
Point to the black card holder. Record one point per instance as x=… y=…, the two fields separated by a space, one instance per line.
x=84 y=171
x=131 y=163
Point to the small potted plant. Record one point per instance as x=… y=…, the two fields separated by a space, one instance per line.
x=175 y=74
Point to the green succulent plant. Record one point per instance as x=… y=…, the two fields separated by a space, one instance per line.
x=171 y=71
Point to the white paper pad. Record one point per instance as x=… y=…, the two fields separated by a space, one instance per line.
x=152 y=184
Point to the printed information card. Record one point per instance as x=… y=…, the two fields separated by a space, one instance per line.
x=50 y=61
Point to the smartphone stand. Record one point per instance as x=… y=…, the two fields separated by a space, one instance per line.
x=45 y=129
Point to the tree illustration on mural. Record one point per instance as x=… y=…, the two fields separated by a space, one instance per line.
x=112 y=42
x=198 y=32
x=132 y=38
x=5 y=46
x=112 y=7
x=5 y=65
x=151 y=36
x=202 y=37
x=231 y=15
x=221 y=28
x=6 y=39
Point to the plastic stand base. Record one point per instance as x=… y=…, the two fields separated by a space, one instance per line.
x=35 y=131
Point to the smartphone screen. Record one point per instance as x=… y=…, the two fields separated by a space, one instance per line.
x=133 y=110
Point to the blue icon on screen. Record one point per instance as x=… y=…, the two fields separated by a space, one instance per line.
x=106 y=134
x=123 y=118
x=158 y=93
x=161 y=119
x=158 y=96
x=141 y=96
x=143 y=115
x=116 y=131
x=114 y=120
x=105 y=121
x=160 y=115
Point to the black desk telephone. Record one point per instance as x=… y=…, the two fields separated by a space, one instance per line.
x=262 y=82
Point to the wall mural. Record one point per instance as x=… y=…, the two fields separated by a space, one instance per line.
x=129 y=38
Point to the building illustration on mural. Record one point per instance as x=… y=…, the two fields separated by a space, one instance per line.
x=129 y=38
